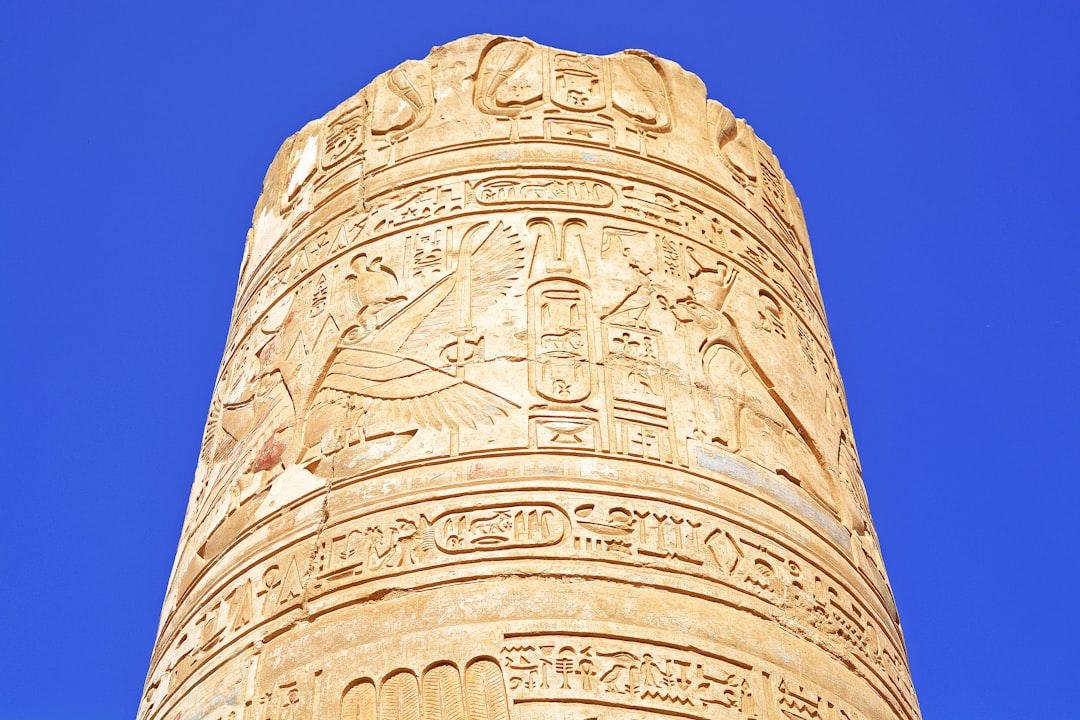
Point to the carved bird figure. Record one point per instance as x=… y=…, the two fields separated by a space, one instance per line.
x=379 y=374
x=631 y=311
x=372 y=285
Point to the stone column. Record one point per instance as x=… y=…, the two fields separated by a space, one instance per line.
x=528 y=411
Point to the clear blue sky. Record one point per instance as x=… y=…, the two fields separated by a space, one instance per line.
x=934 y=146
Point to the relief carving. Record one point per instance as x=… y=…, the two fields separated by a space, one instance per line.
x=802 y=596
x=796 y=702
x=578 y=82
x=440 y=695
x=500 y=527
x=403 y=101
x=626 y=673
x=399 y=697
x=407 y=100
x=561 y=366
x=292 y=699
x=342 y=136
x=360 y=701
x=374 y=386
x=576 y=97
x=531 y=191
x=752 y=424
x=528 y=351
x=485 y=691
x=734 y=142
x=639 y=92
x=509 y=78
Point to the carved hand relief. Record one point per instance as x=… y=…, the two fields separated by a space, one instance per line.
x=528 y=351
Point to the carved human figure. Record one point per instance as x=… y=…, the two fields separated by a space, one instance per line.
x=378 y=370
x=529 y=409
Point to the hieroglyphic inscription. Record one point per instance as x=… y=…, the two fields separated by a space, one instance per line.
x=342 y=136
x=511 y=190
x=635 y=426
x=561 y=667
x=288 y=698
x=562 y=369
x=638 y=394
x=510 y=316
x=627 y=673
x=430 y=202
x=562 y=346
x=572 y=96
x=796 y=701
x=373 y=544
x=801 y=596
x=526 y=526
x=271 y=589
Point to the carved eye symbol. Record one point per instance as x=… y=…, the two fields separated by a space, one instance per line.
x=353 y=335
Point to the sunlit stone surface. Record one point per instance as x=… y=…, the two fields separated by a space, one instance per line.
x=528 y=411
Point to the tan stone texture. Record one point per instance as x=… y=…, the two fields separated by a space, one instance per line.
x=528 y=411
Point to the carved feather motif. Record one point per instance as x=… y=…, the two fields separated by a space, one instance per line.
x=383 y=369
x=359 y=702
x=484 y=692
x=400 y=698
x=442 y=699
x=494 y=261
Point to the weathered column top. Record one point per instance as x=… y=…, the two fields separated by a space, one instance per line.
x=528 y=356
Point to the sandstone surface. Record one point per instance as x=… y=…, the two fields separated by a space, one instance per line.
x=528 y=411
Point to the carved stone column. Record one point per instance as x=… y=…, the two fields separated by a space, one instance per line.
x=528 y=411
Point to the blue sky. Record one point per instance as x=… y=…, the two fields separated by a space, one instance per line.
x=935 y=150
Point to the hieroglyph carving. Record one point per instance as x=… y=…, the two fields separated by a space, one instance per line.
x=803 y=597
x=623 y=673
x=578 y=97
x=528 y=407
